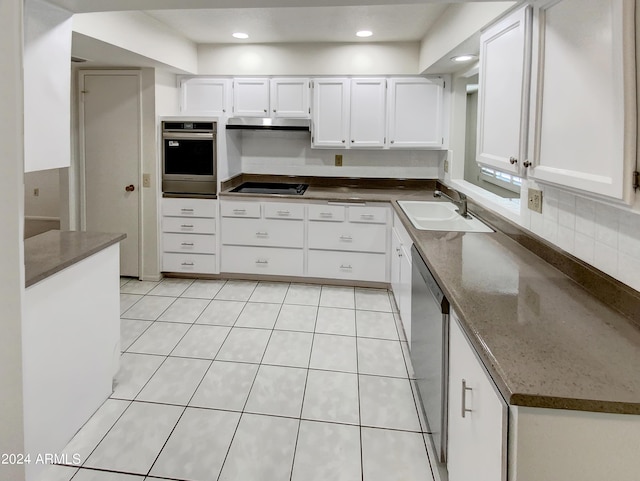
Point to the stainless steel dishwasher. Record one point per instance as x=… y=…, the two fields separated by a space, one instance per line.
x=430 y=350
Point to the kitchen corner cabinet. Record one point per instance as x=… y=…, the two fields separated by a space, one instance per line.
x=585 y=109
x=503 y=102
x=368 y=107
x=401 y=267
x=477 y=415
x=330 y=113
x=205 y=96
x=414 y=113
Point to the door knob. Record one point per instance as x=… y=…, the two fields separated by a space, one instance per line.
x=130 y=188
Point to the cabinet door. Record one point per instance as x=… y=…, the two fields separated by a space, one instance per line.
x=290 y=97
x=585 y=111
x=205 y=96
x=251 y=97
x=503 y=92
x=477 y=416
x=415 y=113
x=330 y=113
x=367 y=124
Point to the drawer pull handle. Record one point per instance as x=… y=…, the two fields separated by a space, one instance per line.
x=284 y=212
x=240 y=211
x=262 y=234
x=346 y=238
x=399 y=251
x=366 y=216
x=464 y=398
x=186 y=210
x=262 y=261
x=187 y=264
x=187 y=226
x=187 y=244
x=342 y=266
x=326 y=214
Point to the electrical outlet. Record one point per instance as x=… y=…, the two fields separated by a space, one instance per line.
x=338 y=160
x=535 y=200
x=36 y=192
x=146 y=180
x=446 y=166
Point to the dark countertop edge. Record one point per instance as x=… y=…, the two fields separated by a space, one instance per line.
x=585 y=405
x=47 y=254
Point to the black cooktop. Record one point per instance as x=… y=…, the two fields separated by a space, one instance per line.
x=271 y=188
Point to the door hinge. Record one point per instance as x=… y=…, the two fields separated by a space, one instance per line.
x=636 y=180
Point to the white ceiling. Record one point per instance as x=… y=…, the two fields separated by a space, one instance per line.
x=389 y=23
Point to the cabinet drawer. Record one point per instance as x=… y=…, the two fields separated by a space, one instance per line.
x=195 y=225
x=263 y=232
x=193 y=243
x=348 y=237
x=371 y=215
x=348 y=265
x=191 y=263
x=335 y=213
x=283 y=211
x=189 y=207
x=262 y=260
x=240 y=209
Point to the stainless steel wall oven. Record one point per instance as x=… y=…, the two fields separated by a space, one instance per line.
x=189 y=157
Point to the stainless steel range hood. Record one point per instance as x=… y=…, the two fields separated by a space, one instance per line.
x=264 y=123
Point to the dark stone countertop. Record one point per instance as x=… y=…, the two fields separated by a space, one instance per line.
x=544 y=339
x=53 y=251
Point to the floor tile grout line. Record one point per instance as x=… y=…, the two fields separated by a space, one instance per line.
x=359 y=402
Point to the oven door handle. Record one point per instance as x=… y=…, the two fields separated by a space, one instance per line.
x=187 y=135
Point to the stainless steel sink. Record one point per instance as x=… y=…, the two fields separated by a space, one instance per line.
x=430 y=215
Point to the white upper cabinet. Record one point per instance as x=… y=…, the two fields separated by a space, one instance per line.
x=290 y=97
x=330 y=112
x=205 y=96
x=251 y=97
x=503 y=93
x=585 y=110
x=367 y=126
x=415 y=113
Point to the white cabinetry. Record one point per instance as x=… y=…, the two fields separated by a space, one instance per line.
x=188 y=236
x=205 y=96
x=368 y=104
x=585 y=108
x=348 y=242
x=330 y=112
x=414 y=113
x=477 y=415
x=277 y=97
x=401 y=273
x=262 y=238
x=503 y=93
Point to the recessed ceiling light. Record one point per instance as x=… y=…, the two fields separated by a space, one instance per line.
x=364 y=33
x=240 y=35
x=464 y=58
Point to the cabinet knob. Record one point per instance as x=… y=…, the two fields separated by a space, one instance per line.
x=343 y=141
x=274 y=111
x=392 y=141
x=526 y=164
x=352 y=141
x=513 y=160
x=265 y=111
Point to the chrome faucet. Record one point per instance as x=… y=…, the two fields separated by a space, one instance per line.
x=462 y=203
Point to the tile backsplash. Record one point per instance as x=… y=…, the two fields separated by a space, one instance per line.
x=603 y=235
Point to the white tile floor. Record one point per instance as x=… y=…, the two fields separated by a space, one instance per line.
x=250 y=381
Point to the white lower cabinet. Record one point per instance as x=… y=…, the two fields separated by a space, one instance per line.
x=401 y=273
x=189 y=242
x=477 y=431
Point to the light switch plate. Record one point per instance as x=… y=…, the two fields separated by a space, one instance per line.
x=338 y=160
x=446 y=166
x=146 y=180
x=535 y=200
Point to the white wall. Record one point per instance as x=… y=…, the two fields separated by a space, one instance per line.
x=459 y=22
x=141 y=34
x=395 y=58
x=291 y=153
x=47 y=203
x=11 y=219
x=167 y=93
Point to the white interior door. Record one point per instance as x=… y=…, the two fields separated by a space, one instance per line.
x=110 y=136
